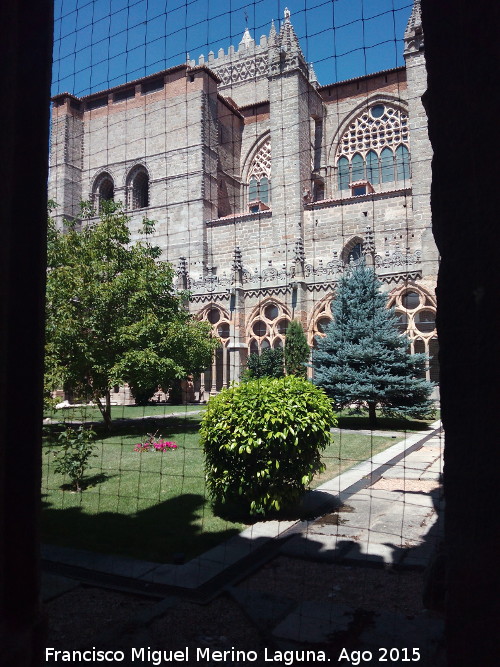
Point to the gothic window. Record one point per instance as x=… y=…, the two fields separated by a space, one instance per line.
x=353 y=251
x=343 y=173
x=138 y=188
x=259 y=175
x=267 y=327
x=416 y=317
x=402 y=163
x=387 y=165
x=357 y=168
x=104 y=189
x=321 y=319
x=217 y=377
x=354 y=254
x=264 y=189
x=372 y=173
x=374 y=148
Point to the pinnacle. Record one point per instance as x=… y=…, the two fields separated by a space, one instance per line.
x=272 y=33
x=415 y=20
x=247 y=39
x=287 y=37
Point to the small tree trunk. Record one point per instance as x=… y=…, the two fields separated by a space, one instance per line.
x=372 y=415
x=105 y=410
x=108 y=405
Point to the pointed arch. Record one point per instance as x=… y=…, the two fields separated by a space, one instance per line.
x=372 y=144
x=320 y=317
x=255 y=148
x=415 y=308
x=257 y=172
x=352 y=250
x=360 y=112
x=216 y=377
x=267 y=324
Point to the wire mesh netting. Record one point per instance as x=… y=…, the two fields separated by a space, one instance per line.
x=219 y=171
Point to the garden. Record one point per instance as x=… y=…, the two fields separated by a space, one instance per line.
x=154 y=505
x=166 y=483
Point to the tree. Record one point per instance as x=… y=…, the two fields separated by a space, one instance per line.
x=364 y=359
x=296 y=350
x=112 y=315
x=269 y=363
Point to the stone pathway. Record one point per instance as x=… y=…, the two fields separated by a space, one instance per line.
x=393 y=521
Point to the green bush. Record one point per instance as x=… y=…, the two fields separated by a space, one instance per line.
x=76 y=448
x=262 y=441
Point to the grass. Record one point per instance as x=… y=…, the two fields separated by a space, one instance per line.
x=154 y=506
x=347 y=449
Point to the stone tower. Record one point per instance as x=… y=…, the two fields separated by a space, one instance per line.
x=421 y=149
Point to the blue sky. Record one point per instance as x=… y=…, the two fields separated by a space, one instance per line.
x=103 y=43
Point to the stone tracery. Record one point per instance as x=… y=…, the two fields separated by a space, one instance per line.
x=375 y=147
x=259 y=175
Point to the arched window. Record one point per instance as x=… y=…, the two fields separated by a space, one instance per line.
x=217 y=377
x=252 y=190
x=319 y=323
x=138 y=188
x=416 y=318
x=355 y=254
x=264 y=189
x=353 y=251
x=358 y=168
x=104 y=190
x=267 y=327
x=402 y=163
x=259 y=175
x=375 y=148
x=372 y=168
x=387 y=164
x=343 y=173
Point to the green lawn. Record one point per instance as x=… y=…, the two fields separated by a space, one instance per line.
x=154 y=505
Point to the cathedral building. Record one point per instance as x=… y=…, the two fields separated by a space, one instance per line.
x=264 y=185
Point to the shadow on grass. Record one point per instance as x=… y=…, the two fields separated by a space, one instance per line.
x=88 y=482
x=360 y=422
x=123 y=427
x=170 y=531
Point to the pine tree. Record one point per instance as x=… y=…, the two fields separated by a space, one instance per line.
x=296 y=350
x=269 y=363
x=364 y=359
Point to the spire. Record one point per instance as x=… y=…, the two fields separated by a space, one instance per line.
x=414 y=36
x=246 y=40
x=288 y=39
x=272 y=34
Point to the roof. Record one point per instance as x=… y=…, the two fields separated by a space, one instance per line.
x=361 y=78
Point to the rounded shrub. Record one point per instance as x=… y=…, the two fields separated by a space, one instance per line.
x=263 y=441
